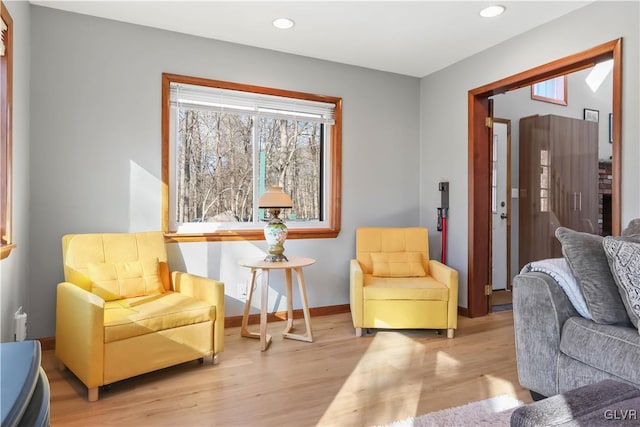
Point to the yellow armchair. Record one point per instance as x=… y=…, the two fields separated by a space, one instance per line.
x=121 y=313
x=394 y=285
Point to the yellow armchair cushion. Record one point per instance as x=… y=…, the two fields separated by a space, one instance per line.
x=397 y=264
x=133 y=317
x=116 y=280
x=410 y=288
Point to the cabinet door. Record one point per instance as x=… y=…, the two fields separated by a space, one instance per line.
x=584 y=170
x=561 y=134
x=535 y=219
x=558 y=180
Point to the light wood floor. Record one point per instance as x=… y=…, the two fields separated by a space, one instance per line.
x=338 y=380
x=502 y=297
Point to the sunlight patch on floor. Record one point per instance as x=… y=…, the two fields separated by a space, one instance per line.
x=446 y=365
x=367 y=388
x=497 y=385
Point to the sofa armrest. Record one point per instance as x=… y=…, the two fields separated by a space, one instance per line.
x=449 y=277
x=205 y=289
x=540 y=309
x=355 y=292
x=443 y=274
x=80 y=332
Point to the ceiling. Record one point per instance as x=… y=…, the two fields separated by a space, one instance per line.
x=414 y=38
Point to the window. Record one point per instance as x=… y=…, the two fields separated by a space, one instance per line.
x=6 y=99
x=552 y=90
x=225 y=143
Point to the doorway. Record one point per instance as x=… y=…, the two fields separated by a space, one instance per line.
x=501 y=215
x=480 y=137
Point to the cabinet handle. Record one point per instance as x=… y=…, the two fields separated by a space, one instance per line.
x=577 y=201
x=580 y=202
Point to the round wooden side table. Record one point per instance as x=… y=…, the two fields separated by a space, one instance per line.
x=294 y=263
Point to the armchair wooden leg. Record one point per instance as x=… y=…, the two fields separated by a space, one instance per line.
x=450 y=333
x=92 y=394
x=358 y=332
x=211 y=359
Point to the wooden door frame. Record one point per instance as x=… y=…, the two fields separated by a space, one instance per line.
x=479 y=157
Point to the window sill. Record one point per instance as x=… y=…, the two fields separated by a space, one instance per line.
x=231 y=235
x=5 y=250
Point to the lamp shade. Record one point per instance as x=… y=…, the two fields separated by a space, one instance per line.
x=275 y=198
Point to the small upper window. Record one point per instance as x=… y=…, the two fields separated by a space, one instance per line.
x=552 y=90
x=227 y=143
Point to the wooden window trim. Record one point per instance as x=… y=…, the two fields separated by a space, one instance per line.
x=334 y=192
x=563 y=101
x=6 y=133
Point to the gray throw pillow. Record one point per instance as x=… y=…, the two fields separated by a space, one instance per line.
x=632 y=228
x=589 y=264
x=624 y=260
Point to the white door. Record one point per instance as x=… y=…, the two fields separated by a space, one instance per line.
x=500 y=198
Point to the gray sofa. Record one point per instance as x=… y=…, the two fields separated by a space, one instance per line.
x=557 y=349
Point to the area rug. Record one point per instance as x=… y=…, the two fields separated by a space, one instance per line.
x=492 y=412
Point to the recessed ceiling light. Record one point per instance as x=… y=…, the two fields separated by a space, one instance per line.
x=491 y=11
x=283 y=23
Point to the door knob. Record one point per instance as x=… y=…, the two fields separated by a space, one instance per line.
x=503 y=216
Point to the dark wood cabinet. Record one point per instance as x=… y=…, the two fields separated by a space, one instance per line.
x=558 y=182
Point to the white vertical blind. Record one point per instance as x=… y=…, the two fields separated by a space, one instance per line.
x=251 y=103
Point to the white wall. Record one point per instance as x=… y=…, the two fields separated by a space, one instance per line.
x=96 y=161
x=444 y=121
x=13 y=270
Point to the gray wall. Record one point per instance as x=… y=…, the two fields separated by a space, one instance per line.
x=14 y=269
x=96 y=163
x=443 y=111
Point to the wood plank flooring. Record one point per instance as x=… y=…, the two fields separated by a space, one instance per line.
x=338 y=380
x=502 y=297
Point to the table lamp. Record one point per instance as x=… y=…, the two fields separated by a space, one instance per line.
x=275 y=232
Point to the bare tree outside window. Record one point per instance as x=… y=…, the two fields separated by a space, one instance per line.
x=292 y=150
x=216 y=158
x=214 y=166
